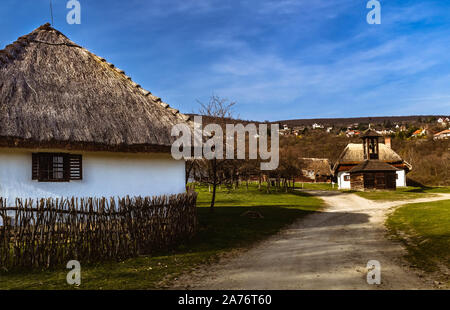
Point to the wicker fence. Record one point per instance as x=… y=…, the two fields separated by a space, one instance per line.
x=50 y=232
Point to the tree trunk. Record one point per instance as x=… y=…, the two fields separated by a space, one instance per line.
x=213 y=199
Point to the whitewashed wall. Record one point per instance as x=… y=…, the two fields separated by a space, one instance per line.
x=341 y=182
x=400 y=182
x=401 y=178
x=104 y=174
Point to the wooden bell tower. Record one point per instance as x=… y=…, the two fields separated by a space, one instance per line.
x=370 y=145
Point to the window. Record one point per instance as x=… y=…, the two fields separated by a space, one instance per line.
x=56 y=167
x=347 y=177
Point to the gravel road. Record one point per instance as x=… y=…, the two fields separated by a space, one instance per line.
x=325 y=250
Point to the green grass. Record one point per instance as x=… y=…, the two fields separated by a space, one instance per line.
x=404 y=193
x=317 y=186
x=440 y=189
x=256 y=198
x=425 y=230
x=219 y=232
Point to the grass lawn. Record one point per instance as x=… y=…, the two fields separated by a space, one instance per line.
x=425 y=230
x=219 y=232
x=404 y=193
x=317 y=186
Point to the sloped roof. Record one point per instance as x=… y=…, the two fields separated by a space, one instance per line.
x=319 y=165
x=53 y=93
x=442 y=132
x=372 y=165
x=354 y=152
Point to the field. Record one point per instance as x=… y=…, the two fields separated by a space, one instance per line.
x=220 y=232
x=424 y=228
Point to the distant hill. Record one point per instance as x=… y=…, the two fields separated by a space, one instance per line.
x=337 y=122
x=360 y=120
x=210 y=119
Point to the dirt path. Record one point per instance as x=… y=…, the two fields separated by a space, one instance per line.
x=326 y=250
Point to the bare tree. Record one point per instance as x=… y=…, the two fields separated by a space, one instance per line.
x=218 y=110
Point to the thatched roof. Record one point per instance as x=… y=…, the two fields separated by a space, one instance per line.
x=321 y=166
x=54 y=93
x=354 y=152
x=373 y=166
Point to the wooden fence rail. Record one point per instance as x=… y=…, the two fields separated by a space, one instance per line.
x=50 y=232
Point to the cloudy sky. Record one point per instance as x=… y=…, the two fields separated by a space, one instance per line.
x=278 y=59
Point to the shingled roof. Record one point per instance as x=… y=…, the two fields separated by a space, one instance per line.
x=372 y=166
x=55 y=93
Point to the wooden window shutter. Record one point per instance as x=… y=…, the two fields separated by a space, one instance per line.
x=35 y=167
x=75 y=167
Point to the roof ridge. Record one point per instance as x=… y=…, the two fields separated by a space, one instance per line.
x=26 y=39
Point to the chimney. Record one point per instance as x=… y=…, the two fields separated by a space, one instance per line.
x=387 y=141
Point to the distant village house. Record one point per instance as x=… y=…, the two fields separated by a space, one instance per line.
x=316 y=170
x=445 y=134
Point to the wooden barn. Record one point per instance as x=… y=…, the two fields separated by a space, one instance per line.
x=371 y=165
x=73 y=124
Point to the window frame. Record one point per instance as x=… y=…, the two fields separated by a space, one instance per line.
x=44 y=165
x=347 y=178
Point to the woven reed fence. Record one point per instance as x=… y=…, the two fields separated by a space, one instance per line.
x=50 y=232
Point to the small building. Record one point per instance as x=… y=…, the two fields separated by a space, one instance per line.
x=298 y=130
x=352 y=133
x=73 y=124
x=445 y=134
x=443 y=121
x=316 y=170
x=373 y=174
x=317 y=126
x=419 y=133
x=355 y=156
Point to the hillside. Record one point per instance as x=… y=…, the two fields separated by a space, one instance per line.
x=360 y=120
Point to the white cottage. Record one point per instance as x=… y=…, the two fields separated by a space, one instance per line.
x=353 y=155
x=71 y=124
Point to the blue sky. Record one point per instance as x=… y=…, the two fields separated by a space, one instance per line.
x=278 y=59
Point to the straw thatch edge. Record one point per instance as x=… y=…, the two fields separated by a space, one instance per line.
x=10 y=142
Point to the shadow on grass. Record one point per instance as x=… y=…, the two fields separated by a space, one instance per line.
x=226 y=228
